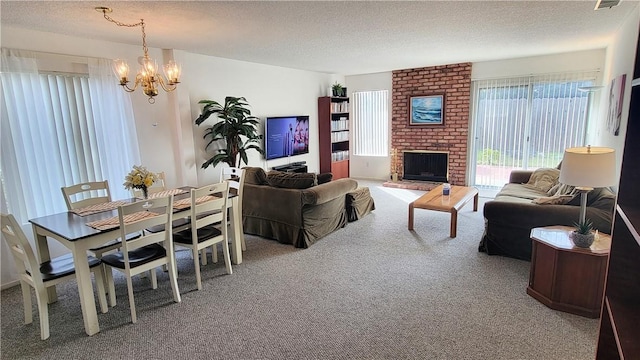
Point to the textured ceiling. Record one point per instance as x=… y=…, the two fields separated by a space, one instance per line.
x=344 y=37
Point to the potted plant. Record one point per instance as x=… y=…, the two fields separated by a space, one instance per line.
x=583 y=235
x=234 y=135
x=337 y=89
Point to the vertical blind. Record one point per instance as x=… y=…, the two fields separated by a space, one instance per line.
x=370 y=112
x=526 y=122
x=58 y=130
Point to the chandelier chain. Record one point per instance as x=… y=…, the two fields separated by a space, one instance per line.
x=141 y=24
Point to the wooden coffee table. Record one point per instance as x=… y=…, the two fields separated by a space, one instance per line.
x=458 y=197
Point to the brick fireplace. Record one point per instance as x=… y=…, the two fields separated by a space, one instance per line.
x=454 y=80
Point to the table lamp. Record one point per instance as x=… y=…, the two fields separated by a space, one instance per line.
x=587 y=168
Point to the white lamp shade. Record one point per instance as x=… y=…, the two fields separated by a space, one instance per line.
x=589 y=167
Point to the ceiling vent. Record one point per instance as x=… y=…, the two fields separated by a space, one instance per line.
x=601 y=4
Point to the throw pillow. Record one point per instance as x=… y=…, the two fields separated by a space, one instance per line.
x=544 y=179
x=553 y=200
x=291 y=180
x=324 y=178
x=255 y=176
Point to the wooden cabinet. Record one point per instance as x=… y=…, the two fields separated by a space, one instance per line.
x=565 y=277
x=333 y=124
x=619 y=334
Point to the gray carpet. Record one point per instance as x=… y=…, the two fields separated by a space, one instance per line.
x=372 y=290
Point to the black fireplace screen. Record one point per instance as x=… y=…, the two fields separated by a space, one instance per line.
x=426 y=166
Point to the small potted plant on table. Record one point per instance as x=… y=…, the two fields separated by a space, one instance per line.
x=583 y=235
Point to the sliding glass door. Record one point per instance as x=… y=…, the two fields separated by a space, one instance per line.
x=526 y=123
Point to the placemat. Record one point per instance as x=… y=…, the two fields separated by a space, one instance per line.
x=166 y=193
x=97 y=208
x=186 y=203
x=114 y=222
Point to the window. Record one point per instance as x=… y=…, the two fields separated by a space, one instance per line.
x=371 y=123
x=526 y=123
x=58 y=130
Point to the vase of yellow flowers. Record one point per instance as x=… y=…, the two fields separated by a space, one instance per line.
x=140 y=178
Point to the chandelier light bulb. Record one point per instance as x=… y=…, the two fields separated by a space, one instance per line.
x=172 y=72
x=121 y=69
x=149 y=66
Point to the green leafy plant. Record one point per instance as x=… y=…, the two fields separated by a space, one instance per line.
x=584 y=227
x=489 y=157
x=234 y=135
x=337 y=89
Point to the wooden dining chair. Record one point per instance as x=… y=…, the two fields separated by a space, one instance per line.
x=207 y=215
x=147 y=252
x=235 y=178
x=42 y=276
x=159 y=185
x=86 y=194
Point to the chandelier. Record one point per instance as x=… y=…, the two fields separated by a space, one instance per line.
x=147 y=77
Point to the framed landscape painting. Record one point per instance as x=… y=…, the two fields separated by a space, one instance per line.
x=426 y=109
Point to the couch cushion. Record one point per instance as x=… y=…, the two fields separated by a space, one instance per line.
x=324 y=178
x=255 y=176
x=519 y=193
x=601 y=198
x=544 y=179
x=291 y=180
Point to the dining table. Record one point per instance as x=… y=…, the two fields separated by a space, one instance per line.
x=72 y=231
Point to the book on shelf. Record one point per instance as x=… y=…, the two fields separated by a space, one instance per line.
x=340 y=107
x=340 y=125
x=340 y=155
x=339 y=136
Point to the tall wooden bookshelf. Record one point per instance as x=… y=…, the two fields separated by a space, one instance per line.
x=619 y=336
x=333 y=125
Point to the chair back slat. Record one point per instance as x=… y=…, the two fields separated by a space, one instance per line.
x=86 y=194
x=162 y=206
x=235 y=178
x=212 y=211
x=21 y=250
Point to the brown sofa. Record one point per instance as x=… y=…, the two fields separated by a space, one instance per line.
x=523 y=204
x=291 y=208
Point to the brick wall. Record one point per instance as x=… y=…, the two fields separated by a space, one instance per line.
x=454 y=81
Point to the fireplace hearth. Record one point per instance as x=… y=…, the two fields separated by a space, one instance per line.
x=426 y=165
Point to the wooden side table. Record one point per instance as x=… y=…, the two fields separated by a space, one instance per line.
x=565 y=277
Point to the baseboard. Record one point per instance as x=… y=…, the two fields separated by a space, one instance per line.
x=10 y=284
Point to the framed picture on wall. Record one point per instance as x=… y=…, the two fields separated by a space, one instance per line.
x=426 y=109
x=616 y=95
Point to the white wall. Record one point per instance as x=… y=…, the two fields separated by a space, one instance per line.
x=565 y=62
x=168 y=137
x=271 y=91
x=619 y=60
x=370 y=167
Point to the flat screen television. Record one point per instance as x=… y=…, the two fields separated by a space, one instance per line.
x=286 y=136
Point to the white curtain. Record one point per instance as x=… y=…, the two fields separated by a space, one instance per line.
x=58 y=130
x=114 y=126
